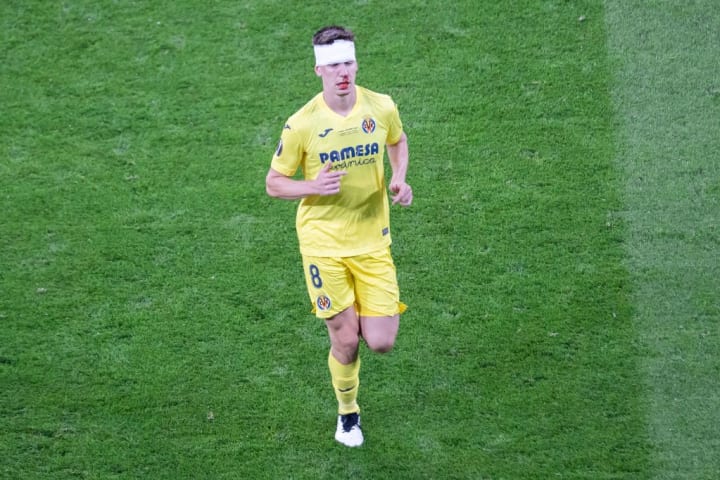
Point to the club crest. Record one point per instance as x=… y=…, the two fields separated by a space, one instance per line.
x=323 y=302
x=368 y=125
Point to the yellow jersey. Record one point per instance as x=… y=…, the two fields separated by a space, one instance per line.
x=356 y=220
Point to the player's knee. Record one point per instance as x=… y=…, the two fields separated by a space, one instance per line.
x=349 y=345
x=345 y=349
x=380 y=344
x=379 y=333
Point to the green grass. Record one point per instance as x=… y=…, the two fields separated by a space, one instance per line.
x=154 y=319
x=668 y=100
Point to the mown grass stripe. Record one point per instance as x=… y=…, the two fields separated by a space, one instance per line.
x=667 y=93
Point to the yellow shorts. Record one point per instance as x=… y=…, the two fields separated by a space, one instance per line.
x=367 y=281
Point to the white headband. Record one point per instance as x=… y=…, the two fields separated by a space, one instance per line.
x=337 y=52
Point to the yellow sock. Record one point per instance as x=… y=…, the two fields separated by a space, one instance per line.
x=345 y=381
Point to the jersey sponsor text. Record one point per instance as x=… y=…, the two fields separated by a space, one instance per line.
x=350 y=152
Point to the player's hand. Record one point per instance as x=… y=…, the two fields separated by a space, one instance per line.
x=403 y=193
x=328 y=182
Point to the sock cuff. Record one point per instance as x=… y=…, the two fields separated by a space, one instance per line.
x=341 y=370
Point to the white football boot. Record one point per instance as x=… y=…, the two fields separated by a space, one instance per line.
x=348 y=430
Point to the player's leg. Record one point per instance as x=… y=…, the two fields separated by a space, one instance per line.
x=344 y=365
x=344 y=333
x=378 y=298
x=332 y=293
x=379 y=333
x=343 y=360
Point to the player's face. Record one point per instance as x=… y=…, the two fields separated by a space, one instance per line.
x=338 y=78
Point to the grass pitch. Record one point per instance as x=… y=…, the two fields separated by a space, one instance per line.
x=154 y=319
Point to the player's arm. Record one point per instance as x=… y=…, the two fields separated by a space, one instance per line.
x=281 y=186
x=399 y=159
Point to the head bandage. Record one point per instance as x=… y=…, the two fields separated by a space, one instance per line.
x=337 y=52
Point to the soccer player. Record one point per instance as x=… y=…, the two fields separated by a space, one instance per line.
x=338 y=140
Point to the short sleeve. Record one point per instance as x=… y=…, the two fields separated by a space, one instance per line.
x=395 y=128
x=289 y=153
